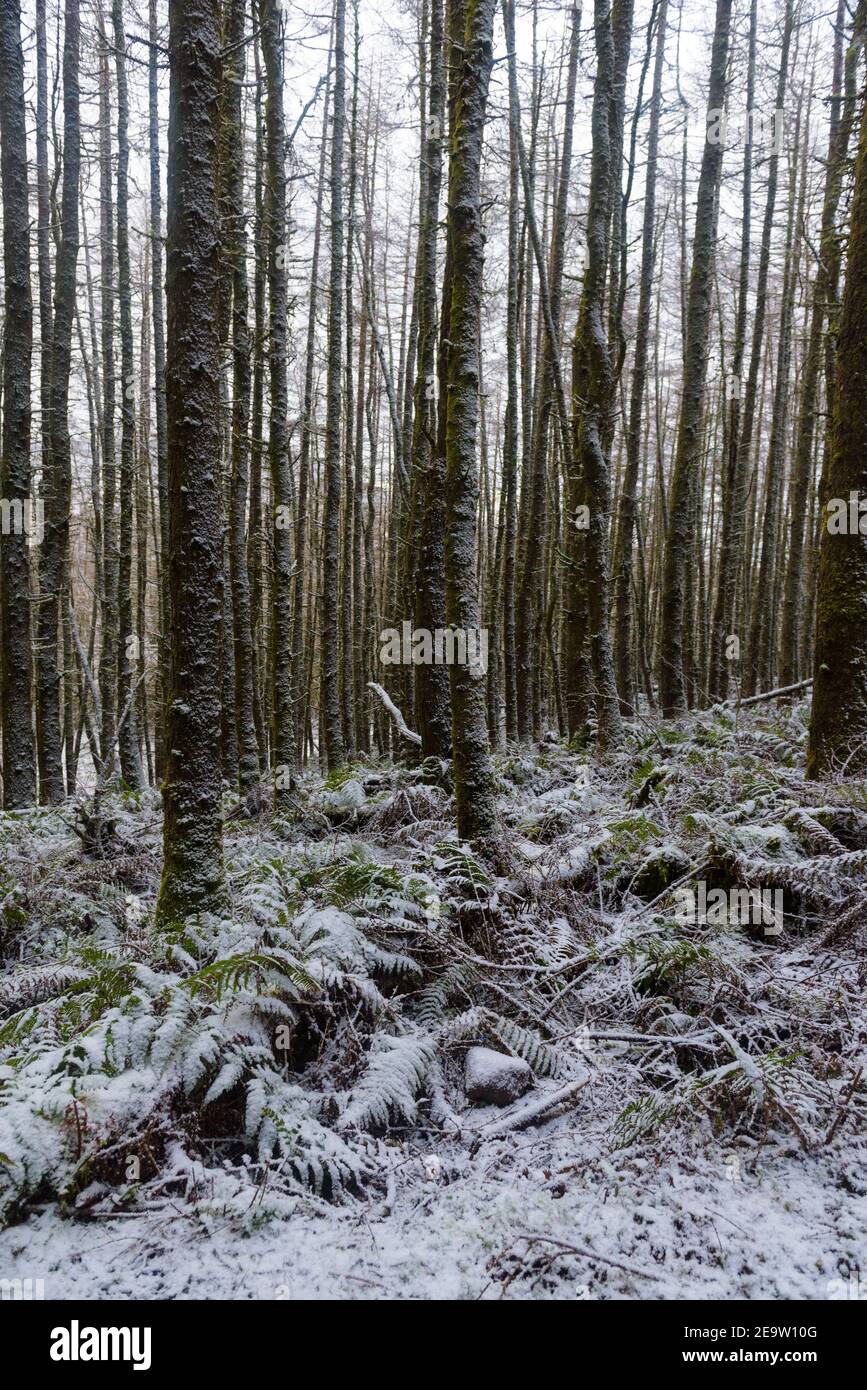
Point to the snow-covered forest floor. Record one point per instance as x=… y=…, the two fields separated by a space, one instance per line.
x=271 y=1104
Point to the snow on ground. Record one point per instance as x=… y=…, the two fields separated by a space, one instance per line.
x=271 y=1103
x=782 y=1228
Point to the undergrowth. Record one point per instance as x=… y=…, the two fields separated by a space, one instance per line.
x=324 y=1018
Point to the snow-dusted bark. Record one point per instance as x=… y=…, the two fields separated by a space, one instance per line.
x=589 y=481
x=16 y=666
x=329 y=699
x=57 y=486
x=128 y=641
x=432 y=698
x=838 y=728
x=282 y=709
x=679 y=537
x=236 y=258
x=192 y=835
x=627 y=514
x=471 y=44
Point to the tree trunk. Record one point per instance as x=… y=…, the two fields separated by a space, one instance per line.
x=159 y=335
x=823 y=285
x=672 y=689
x=621 y=566
x=58 y=485
x=236 y=241
x=282 y=710
x=331 y=733
x=128 y=640
x=192 y=832
x=471 y=37
x=432 y=698
x=593 y=403
x=838 y=726
x=16 y=667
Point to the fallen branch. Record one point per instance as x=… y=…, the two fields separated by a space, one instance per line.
x=564 y=1247
x=395 y=713
x=768 y=695
x=529 y=1114
x=677 y=1040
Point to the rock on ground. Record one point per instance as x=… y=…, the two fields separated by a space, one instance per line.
x=494 y=1078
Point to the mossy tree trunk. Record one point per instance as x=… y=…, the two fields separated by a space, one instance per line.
x=330 y=713
x=471 y=45
x=823 y=291
x=283 y=744
x=589 y=476
x=838 y=725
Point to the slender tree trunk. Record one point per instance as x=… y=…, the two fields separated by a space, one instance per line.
x=621 y=565
x=128 y=641
x=471 y=36
x=236 y=243
x=347 y=617
x=432 y=698
x=254 y=527
x=827 y=270
x=549 y=389
x=16 y=666
x=672 y=687
x=588 y=574
x=511 y=421
x=58 y=486
x=282 y=711
x=331 y=733
x=743 y=411
x=159 y=336
x=308 y=430
x=757 y=673
x=192 y=832
x=108 y=659
x=733 y=472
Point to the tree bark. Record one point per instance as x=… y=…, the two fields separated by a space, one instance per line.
x=621 y=565
x=192 y=831
x=58 y=485
x=236 y=244
x=16 y=666
x=672 y=688
x=838 y=725
x=331 y=733
x=128 y=641
x=159 y=337
x=432 y=698
x=282 y=711
x=471 y=35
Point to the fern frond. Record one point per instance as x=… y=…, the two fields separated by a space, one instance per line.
x=396 y=1071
